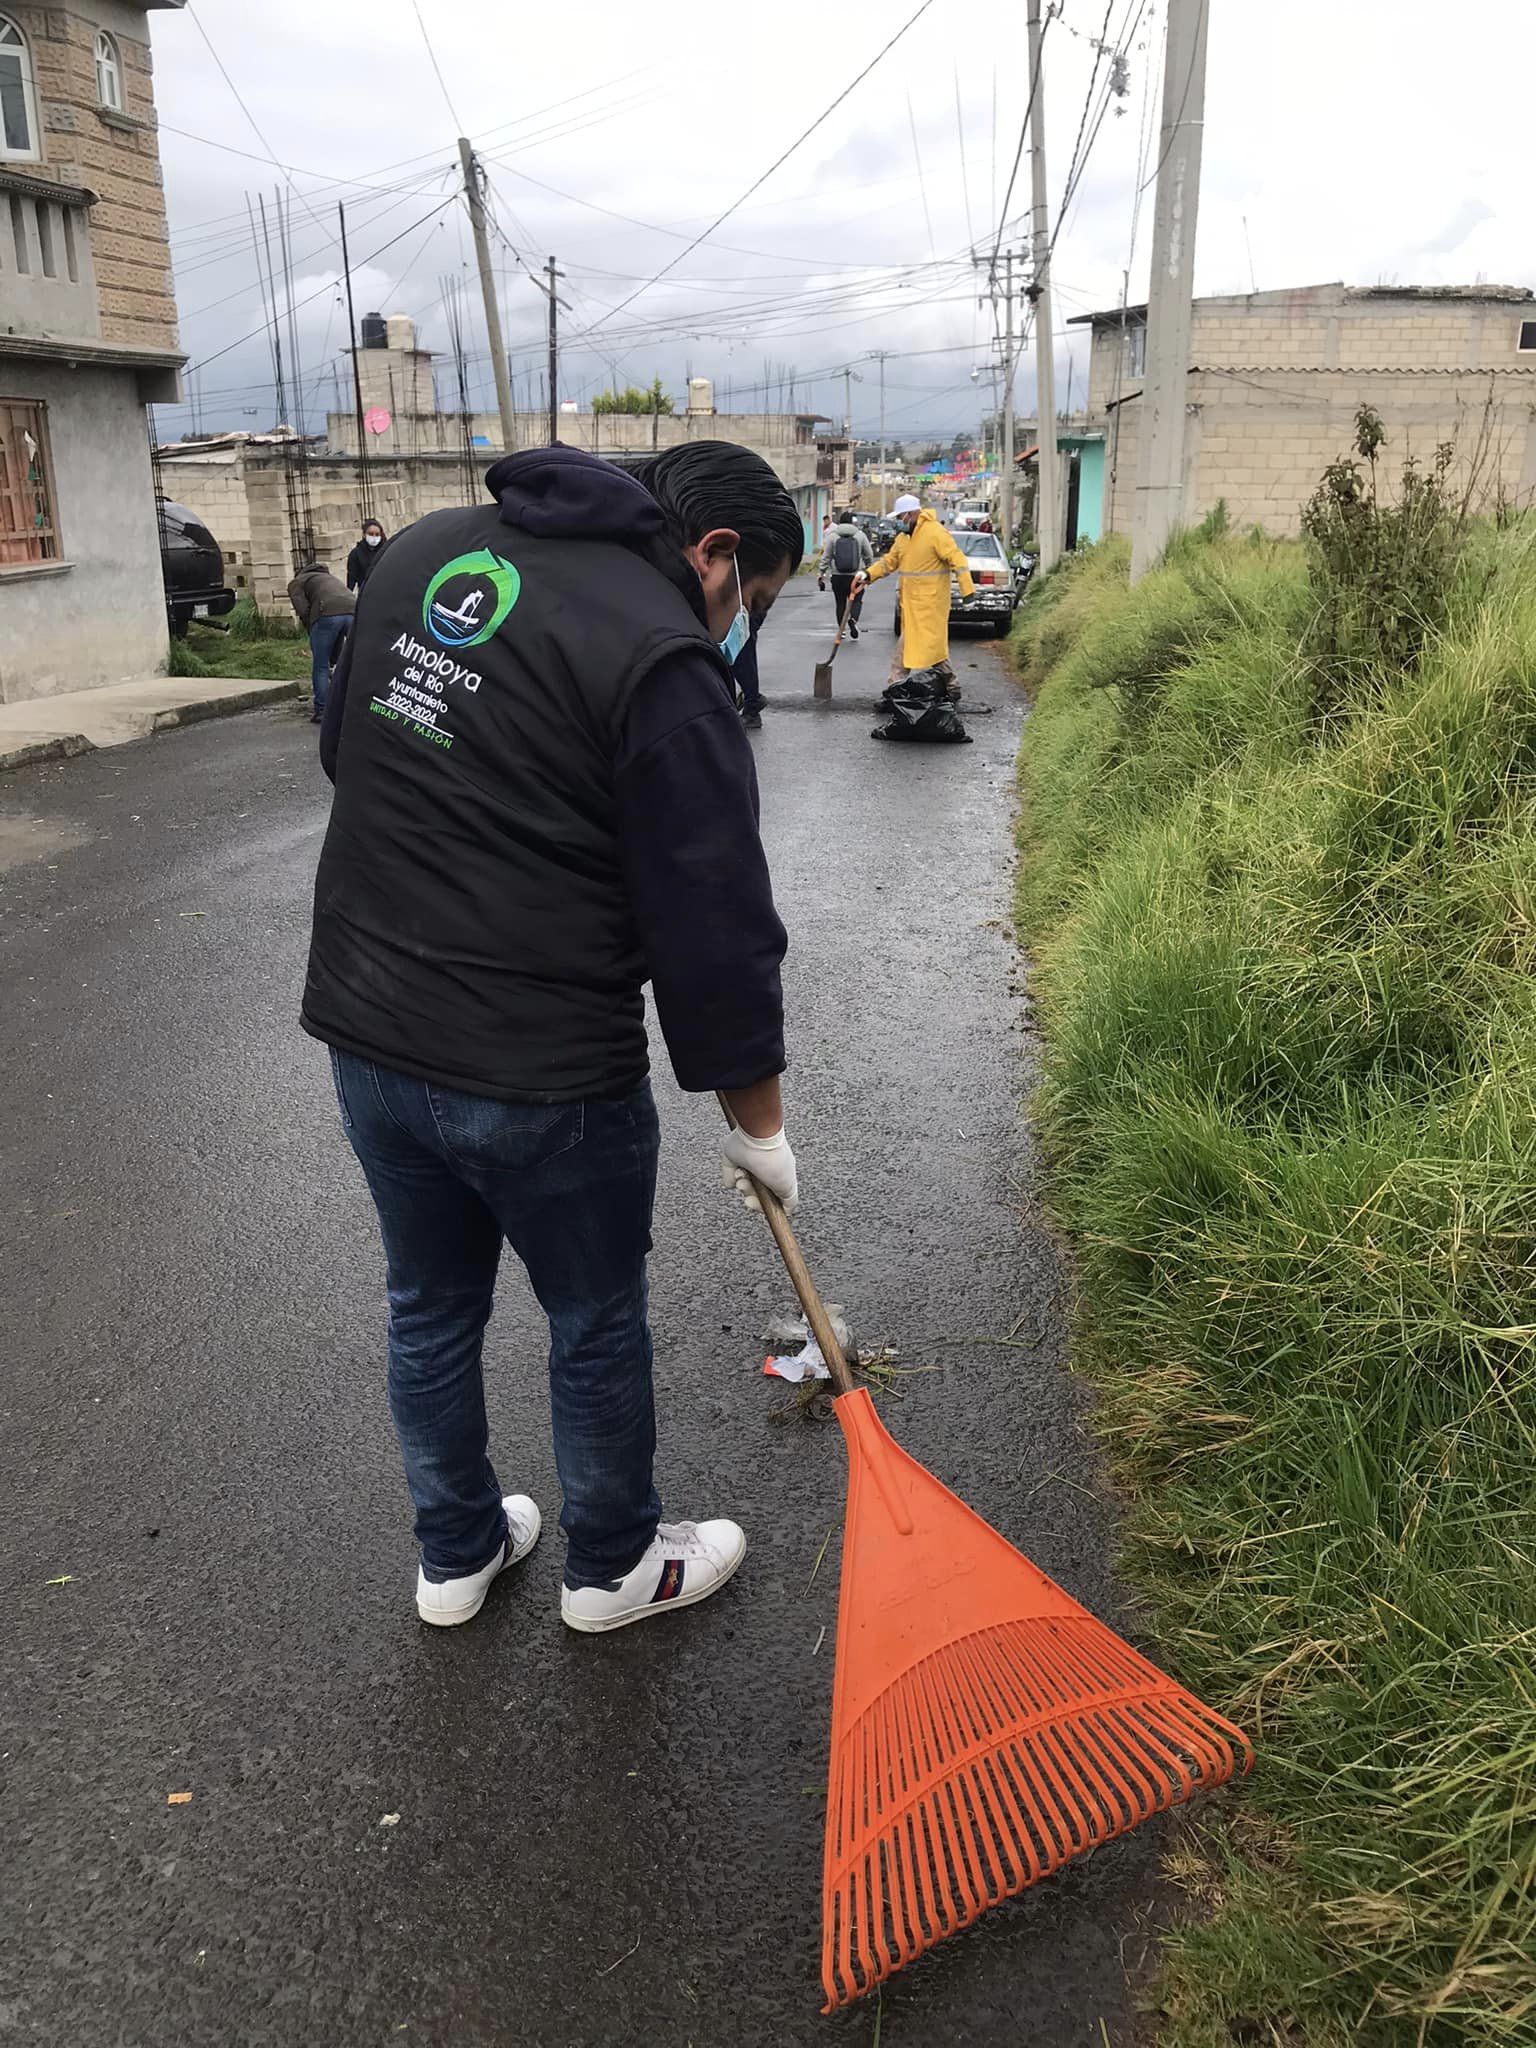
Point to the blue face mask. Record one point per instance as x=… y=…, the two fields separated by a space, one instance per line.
x=741 y=625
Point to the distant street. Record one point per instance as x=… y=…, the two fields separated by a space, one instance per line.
x=505 y=1834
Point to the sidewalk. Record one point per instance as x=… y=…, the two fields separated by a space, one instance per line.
x=48 y=728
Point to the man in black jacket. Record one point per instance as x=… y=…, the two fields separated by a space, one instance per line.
x=544 y=798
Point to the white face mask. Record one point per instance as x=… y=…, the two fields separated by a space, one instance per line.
x=374 y=540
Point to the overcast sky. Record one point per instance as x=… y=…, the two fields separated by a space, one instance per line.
x=1367 y=140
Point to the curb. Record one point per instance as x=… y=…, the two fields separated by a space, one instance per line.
x=63 y=746
x=59 y=748
x=224 y=707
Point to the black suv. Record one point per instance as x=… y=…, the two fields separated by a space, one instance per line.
x=193 y=566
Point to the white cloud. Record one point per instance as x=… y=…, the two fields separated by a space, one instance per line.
x=1357 y=139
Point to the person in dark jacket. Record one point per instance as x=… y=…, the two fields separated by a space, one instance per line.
x=845 y=550
x=324 y=608
x=544 y=799
x=365 y=554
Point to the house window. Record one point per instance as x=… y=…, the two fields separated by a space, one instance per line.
x=29 y=530
x=18 y=103
x=109 y=74
x=1136 y=350
x=1528 y=335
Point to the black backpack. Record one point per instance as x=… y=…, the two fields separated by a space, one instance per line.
x=847 y=555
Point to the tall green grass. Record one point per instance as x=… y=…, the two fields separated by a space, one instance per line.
x=1287 y=971
x=252 y=646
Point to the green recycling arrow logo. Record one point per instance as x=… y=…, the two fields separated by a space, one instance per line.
x=469 y=598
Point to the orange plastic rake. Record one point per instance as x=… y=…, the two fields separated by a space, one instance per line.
x=985 y=1727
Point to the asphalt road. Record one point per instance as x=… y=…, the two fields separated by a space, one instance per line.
x=506 y=1833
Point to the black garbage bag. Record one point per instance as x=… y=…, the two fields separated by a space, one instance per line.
x=917 y=708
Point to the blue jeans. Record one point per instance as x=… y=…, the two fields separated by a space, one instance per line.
x=570 y=1186
x=325 y=638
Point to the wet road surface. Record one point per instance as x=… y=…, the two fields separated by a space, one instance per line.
x=205 y=1542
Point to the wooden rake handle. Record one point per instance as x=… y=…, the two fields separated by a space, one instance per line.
x=800 y=1276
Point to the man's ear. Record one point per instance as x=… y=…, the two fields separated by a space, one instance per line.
x=719 y=544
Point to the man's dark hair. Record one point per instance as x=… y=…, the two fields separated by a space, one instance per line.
x=706 y=484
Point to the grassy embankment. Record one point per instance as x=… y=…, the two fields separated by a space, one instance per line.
x=255 y=648
x=1281 y=893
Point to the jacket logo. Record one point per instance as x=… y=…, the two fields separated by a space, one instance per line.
x=469 y=598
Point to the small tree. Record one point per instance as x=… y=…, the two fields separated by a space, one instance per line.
x=634 y=400
x=1381 y=572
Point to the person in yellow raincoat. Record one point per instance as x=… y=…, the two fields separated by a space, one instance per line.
x=922 y=555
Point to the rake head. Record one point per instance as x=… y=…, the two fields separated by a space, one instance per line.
x=985 y=1728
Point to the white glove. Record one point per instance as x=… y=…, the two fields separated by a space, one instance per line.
x=769 y=1160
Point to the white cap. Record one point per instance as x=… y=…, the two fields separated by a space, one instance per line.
x=907 y=504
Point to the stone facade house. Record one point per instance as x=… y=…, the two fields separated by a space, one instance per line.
x=1275 y=379
x=87 y=340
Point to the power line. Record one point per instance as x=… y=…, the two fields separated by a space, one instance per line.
x=1173 y=128
x=441 y=81
x=326 y=181
x=255 y=125
x=805 y=134
x=1114 y=83
x=228 y=251
x=1098 y=58
x=965 y=182
x=922 y=183
x=1018 y=155
x=310 y=297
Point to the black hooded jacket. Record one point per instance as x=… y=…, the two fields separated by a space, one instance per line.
x=362 y=562
x=544 y=798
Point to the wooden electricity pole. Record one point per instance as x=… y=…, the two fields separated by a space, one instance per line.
x=476 y=198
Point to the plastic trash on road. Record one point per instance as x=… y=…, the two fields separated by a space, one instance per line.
x=799 y=1356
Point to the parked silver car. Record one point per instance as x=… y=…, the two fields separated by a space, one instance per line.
x=1000 y=583
x=998 y=589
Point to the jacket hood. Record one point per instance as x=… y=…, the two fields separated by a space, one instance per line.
x=565 y=494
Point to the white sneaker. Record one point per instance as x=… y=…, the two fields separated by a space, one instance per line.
x=456 y=1600
x=686 y=1561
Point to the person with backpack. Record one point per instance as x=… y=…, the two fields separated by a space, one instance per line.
x=845 y=551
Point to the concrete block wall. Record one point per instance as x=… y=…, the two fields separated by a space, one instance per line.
x=403 y=491
x=1261 y=441
x=116 y=157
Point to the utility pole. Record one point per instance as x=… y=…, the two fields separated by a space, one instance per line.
x=554 y=349
x=880 y=356
x=1048 y=507
x=365 y=482
x=476 y=198
x=1165 y=384
x=850 y=378
x=1005 y=500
